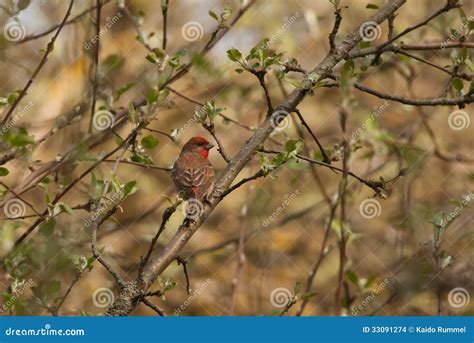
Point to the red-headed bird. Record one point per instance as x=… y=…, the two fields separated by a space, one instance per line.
x=192 y=172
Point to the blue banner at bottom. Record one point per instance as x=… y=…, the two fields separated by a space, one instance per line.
x=237 y=329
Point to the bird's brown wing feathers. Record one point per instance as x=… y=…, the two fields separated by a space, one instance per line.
x=194 y=181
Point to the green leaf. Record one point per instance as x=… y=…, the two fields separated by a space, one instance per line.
x=151 y=96
x=458 y=85
x=169 y=285
x=150 y=142
x=308 y=295
x=294 y=82
x=47 y=227
x=129 y=188
x=293 y=146
x=234 y=55
x=22 y=139
x=213 y=15
x=65 y=208
x=352 y=277
x=347 y=73
x=12 y=97
x=113 y=62
x=132 y=113
x=4 y=171
x=372 y=6
x=116 y=184
x=124 y=88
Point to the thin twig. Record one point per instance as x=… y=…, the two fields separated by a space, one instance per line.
x=335 y=29
x=182 y=261
x=25 y=201
x=146 y=166
x=323 y=252
x=55 y=310
x=166 y=216
x=155 y=308
x=164 y=11
x=326 y=158
x=220 y=146
x=95 y=64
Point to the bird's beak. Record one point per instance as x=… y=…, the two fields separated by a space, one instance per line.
x=209 y=146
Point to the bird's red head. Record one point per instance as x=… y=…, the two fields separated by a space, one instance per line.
x=200 y=145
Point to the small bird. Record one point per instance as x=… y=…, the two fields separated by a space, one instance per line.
x=192 y=172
